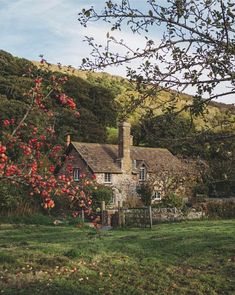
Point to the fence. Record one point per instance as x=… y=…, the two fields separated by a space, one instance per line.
x=146 y=216
x=135 y=217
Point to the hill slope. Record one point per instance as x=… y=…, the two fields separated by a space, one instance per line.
x=126 y=96
x=102 y=99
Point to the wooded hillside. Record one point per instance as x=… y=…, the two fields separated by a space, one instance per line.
x=102 y=99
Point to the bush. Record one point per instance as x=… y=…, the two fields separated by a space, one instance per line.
x=15 y=200
x=217 y=209
x=133 y=202
x=101 y=193
x=172 y=200
x=145 y=192
x=200 y=189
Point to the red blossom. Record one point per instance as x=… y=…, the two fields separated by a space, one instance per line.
x=2 y=149
x=75 y=214
x=38 y=81
x=28 y=161
x=11 y=170
x=52 y=168
x=6 y=123
x=77 y=114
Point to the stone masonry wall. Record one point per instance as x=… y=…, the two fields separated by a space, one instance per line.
x=76 y=162
x=123 y=185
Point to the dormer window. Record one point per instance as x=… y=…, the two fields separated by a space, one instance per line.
x=76 y=174
x=142 y=174
x=107 y=177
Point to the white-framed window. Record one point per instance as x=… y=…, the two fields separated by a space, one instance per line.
x=107 y=177
x=76 y=174
x=142 y=174
x=156 y=196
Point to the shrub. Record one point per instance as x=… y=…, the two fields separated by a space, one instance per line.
x=200 y=189
x=101 y=193
x=217 y=209
x=132 y=202
x=15 y=200
x=145 y=192
x=172 y=200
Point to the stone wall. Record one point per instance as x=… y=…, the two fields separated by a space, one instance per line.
x=141 y=217
x=174 y=214
x=123 y=185
x=75 y=161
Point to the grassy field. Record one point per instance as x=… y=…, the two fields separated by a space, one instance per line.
x=177 y=258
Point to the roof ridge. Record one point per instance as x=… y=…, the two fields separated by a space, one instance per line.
x=109 y=144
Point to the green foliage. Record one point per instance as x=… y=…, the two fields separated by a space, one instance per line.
x=96 y=97
x=14 y=66
x=90 y=129
x=179 y=135
x=95 y=101
x=172 y=200
x=36 y=219
x=221 y=210
x=101 y=193
x=87 y=128
x=145 y=191
x=165 y=131
x=112 y=135
x=99 y=97
x=201 y=189
x=222 y=189
x=14 y=200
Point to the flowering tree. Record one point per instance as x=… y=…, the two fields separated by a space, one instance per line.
x=27 y=154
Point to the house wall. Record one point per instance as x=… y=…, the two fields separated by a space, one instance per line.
x=76 y=162
x=123 y=185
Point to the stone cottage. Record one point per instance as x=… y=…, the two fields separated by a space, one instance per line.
x=124 y=167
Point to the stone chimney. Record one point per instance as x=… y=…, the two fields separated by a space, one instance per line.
x=124 y=146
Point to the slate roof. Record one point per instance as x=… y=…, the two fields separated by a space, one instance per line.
x=102 y=158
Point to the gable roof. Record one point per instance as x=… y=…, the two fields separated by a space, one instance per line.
x=99 y=157
x=102 y=158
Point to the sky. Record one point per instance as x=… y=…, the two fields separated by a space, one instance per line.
x=29 y=28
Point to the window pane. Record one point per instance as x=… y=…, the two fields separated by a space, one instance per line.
x=142 y=173
x=76 y=174
x=107 y=177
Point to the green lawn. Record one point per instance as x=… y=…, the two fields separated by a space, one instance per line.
x=177 y=258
